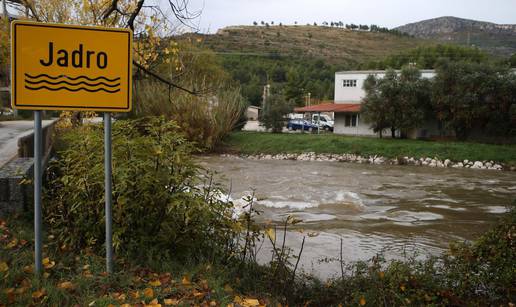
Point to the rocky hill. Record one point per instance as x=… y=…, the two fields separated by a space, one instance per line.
x=498 y=39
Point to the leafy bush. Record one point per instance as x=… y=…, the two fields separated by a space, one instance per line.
x=157 y=202
x=206 y=117
x=203 y=120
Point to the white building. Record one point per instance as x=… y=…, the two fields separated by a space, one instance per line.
x=349 y=93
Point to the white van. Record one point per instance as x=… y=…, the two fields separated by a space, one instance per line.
x=324 y=121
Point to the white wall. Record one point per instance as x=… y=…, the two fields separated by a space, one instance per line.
x=361 y=129
x=356 y=94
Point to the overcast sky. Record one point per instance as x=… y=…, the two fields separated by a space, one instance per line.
x=390 y=13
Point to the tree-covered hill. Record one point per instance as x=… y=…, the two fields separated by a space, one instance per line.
x=297 y=60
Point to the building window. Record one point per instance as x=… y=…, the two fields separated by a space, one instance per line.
x=351 y=120
x=349 y=83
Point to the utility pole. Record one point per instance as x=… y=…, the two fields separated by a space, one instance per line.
x=8 y=31
x=266 y=93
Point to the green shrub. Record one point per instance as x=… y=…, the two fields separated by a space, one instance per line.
x=158 y=205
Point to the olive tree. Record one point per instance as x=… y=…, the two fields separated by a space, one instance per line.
x=396 y=101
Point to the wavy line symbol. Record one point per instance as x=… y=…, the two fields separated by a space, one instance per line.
x=71 y=84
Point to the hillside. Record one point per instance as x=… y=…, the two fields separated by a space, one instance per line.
x=496 y=39
x=334 y=45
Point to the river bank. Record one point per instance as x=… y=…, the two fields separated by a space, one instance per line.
x=430 y=162
x=309 y=147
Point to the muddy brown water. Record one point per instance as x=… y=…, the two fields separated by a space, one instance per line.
x=396 y=210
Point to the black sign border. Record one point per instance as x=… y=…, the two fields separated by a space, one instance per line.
x=54 y=107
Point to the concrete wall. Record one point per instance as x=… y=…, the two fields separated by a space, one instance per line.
x=16 y=193
x=26 y=143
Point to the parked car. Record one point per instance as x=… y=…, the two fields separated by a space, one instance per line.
x=324 y=121
x=301 y=124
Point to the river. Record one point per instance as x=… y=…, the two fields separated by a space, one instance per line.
x=396 y=210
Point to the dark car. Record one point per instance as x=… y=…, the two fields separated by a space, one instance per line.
x=301 y=124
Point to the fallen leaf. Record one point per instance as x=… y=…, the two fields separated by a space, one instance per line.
x=148 y=292
x=362 y=301
x=381 y=274
x=65 y=285
x=38 y=294
x=204 y=284
x=10 y=295
x=27 y=269
x=48 y=264
x=185 y=281
x=121 y=297
x=21 y=290
x=3 y=267
x=12 y=244
x=250 y=302
x=134 y=294
x=171 y=302
x=87 y=274
x=228 y=288
x=165 y=279
x=154 y=303
x=155 y=283
x=125 y=305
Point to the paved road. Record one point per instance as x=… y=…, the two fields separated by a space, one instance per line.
x=10 y=132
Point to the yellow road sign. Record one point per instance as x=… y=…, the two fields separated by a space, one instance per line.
x=65 y=67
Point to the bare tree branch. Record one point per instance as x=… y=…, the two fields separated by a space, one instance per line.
x=134 y=14
x=180 y=10
x=163 y=80
x=28 y=4
x=110 y=9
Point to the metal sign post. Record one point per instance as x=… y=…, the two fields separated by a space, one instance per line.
x=108 y=189
x=37 y=192
x=68 y=67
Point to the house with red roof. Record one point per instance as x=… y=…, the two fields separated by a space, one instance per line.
x=349 y=93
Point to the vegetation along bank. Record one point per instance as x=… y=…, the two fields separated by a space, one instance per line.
x=328 y=147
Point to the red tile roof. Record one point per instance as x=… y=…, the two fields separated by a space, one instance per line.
x=331 y=107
